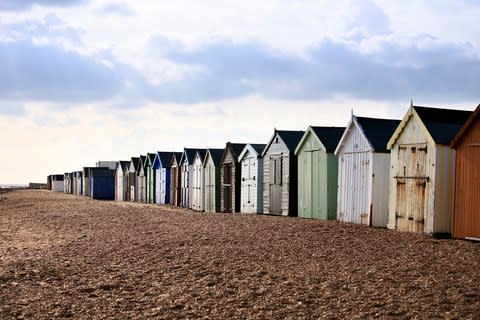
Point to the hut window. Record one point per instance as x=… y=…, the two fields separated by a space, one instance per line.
x=276 y=140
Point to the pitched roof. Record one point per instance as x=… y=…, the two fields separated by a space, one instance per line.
x=190 y=153
x=442 y=124
x=329 y=136
x=236 y=148
x=135 y=161
x=216 y=155
x=141 y=161
x=378 y=131
x=177 y=156
x=165 y=158
x=150 y=158
x=291 y=138
x=124 y=165
x=258 y=147
x=201 y=153
x=465 y=127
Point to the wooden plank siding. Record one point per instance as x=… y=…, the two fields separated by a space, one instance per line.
x=422 y=170
x=280 y=175
x=251 y=163
x=213 y=183
x=466 y=215
x=228 y=199
x=175 y=180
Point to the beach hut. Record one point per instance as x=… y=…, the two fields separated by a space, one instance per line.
x=86 y=181
x=466 y=214
x=65 y=183
x=363 y=171
x=211 y=167
x=280 y=173
x=175 y=179
x=198 y=181
x=251 y=177
x=317 y=172
x=186 y=176
x=77 y=183
x=49 y=182
x=102 y=183
x=132 y=179
x=141 y=186
x=121 y=180
x=421 y=170
x=150 y=178
x=230 y=177
x=161 y=167
x=57 y=183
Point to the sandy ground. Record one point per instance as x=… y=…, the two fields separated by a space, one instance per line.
x=63 y=256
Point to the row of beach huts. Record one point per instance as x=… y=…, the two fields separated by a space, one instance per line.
x=419 y=174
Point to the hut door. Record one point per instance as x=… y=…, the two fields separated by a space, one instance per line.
x=275 y=185
x=411 y=188
x=132 y=185
x=208 y=188
x=184 y=186
x=159 y=187
x=227 y=187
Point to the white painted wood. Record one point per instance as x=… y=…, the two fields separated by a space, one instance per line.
x=159 y=185
x=198 y=185
x=363 y=178
x=251 y=197
x=119 y=191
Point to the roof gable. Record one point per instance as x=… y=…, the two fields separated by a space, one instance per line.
x=290 y=139
x=234 y=148
x=163 y=159
x=150 y=159
x=466 y=127
x=175 y=160
x=255 y=149
x=440 y=125
x=215 y=155
x=328 y=137
x=141 y=162
x=189 y=155
x=133 y=164
x=375 y=131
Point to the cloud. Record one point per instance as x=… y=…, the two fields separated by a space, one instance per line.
x=118 y=8
x=49 y=30
x=27 y=4
x=422 y=68
x=49 y=73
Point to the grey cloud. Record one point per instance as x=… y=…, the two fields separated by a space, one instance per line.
x=53 y=74
x=439 y=72
x=14 y=5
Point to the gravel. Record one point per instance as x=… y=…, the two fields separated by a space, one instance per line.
x=64 y=256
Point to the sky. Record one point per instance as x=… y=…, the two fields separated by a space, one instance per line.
x=87 y=80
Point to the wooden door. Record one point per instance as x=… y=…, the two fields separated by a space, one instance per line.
x=411 y=187
x=275 y=185
x=208 y=189
x=248 y=185
x=158 y=185
x=227 y=187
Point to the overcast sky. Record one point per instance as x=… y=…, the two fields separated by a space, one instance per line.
x=82 y=81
